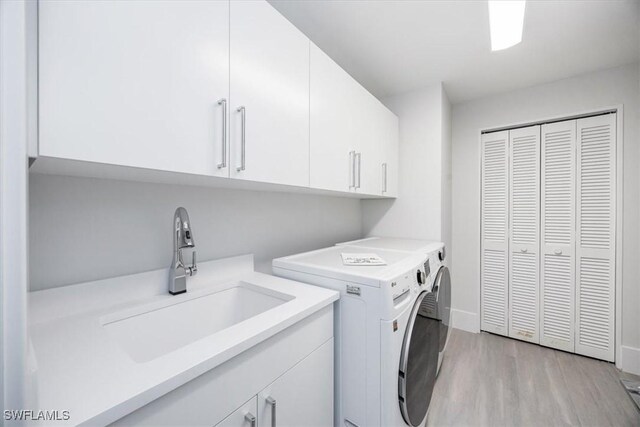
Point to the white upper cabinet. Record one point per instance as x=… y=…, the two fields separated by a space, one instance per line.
x=135 y=83
x=333 y=132
x=388 y=135
x=225 y=89
x=270 y=96
x=352 y=134
x=368 y=144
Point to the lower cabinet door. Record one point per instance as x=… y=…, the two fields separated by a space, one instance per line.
x=303 y=396
x=244 y=416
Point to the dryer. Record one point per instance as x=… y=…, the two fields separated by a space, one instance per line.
x=438 y=304
x=386 y=345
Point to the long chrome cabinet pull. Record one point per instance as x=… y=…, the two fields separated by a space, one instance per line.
x=243 y=138
x=359 y=157
x=223 y=163
x=271 y=401
x=352 y=166
x=251 y=418
x=384 y=170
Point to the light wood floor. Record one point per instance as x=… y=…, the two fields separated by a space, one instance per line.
x=488 y=380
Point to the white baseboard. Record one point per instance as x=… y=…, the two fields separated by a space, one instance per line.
x=630 y=360
x=465 y=320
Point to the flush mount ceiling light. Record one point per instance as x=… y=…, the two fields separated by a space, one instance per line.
x=506 y=18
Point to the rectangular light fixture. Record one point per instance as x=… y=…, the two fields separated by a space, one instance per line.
x=506 y=19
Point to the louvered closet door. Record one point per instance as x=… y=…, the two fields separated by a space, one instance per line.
x=494 y=257
x=557 y=285
x=524 y=246
x=595 y=249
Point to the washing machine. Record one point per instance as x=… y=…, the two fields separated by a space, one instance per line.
x=386 y=344
x=438 y=304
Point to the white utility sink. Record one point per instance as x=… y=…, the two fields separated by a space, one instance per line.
x=152 y=330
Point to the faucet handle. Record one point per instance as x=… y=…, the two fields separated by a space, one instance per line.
x=194 y=267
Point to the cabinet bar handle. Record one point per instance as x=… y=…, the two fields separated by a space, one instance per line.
x=384 y=169
x=271 y=401
x=352 y=162
x=251 y=418
x=359 y=157
x=223 y=163
x=243 y=139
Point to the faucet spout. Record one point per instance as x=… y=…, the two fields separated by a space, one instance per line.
x=182 y=238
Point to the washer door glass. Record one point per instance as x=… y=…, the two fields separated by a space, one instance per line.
x=442 y=286
x=418 y=363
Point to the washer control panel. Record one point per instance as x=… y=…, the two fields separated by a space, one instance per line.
x=400 y=292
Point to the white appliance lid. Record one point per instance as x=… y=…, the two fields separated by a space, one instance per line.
x=394 y=243
x=327 y=262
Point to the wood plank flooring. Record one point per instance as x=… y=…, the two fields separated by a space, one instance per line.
x=488 y=380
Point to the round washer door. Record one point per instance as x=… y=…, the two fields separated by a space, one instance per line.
x=442 y=287
x=418 y=363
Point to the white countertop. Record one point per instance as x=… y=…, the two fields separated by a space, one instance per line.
x=82 y=369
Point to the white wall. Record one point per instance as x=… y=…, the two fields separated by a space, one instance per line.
x=418 y=212
x=561 y=98
x=85 y=229
x=13 y=206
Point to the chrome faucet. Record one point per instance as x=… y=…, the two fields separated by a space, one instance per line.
x=182 y=238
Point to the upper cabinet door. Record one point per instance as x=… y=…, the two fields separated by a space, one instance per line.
x=135 y=83
x=333 y=132
x=389 y=135
x=368 y=118
x=270 y=96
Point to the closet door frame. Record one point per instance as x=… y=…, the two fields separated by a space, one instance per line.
x=617 y=108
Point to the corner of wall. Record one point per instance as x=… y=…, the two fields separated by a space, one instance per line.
x=630 y=360
x=423 y=166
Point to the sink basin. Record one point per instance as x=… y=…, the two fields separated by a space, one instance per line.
x=156 y=329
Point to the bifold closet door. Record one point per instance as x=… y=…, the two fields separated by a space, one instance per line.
x=494 y=241
x=557 y=284
x=595 y=248
x=524 y=244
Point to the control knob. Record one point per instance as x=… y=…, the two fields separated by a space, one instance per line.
x=421 y=277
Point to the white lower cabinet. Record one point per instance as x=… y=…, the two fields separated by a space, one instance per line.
x=293 y=370
x=301 y=397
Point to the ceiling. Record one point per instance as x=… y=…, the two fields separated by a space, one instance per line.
x=397 y=46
